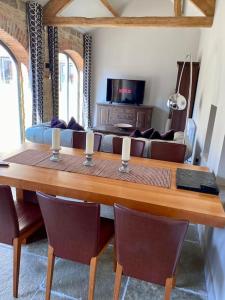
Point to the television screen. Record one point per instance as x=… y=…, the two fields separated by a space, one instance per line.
x=125 y=91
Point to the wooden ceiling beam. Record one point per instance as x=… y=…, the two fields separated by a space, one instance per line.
x=109 y=7
x=130 y=21
x=206 y=6
x=177 y=8
x=53 y=7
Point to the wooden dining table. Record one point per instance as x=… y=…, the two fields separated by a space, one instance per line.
x=199 y=208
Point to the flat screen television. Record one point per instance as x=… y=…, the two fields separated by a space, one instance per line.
x=125 y=91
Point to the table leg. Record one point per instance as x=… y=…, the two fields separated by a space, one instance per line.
x=20 y=198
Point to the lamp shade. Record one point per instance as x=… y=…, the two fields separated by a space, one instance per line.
x=177 y=102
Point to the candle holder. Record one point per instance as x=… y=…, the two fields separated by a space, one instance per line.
x=55 y=155
x=124 y=168
x=89 y=160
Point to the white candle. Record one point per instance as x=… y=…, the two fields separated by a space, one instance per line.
x=55 y=138
x=126 y=148
x=89 y=142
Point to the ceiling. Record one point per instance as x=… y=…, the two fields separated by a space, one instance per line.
x=94 y=8
x=124 y=8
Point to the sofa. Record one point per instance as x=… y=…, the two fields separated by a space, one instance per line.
x=42 y=134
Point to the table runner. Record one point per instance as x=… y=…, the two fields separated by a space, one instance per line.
x=103 y=168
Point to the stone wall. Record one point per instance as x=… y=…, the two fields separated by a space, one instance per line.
x=13 y=30
x=13 y=33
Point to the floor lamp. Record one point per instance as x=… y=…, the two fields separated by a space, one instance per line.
x=178 y=101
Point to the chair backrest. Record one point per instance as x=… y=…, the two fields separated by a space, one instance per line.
x=168 y=151
x=136 y=148
x=72 y=227
x=148 y=247
x=79 y=140
x=30 y=196
x=9 y=227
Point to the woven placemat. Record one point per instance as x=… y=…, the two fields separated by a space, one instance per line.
x=102 y=168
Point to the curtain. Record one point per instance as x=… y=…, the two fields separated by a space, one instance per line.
x=87 y=104
x=53 y=47
x=36 y=43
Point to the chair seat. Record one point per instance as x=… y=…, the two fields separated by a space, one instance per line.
x=28 y=214
x=106 y=232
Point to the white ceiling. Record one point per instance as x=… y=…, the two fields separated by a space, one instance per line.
x=128 y=8
x=86 y=8
x=94 y=8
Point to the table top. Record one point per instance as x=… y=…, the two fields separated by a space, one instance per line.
x=181 y=204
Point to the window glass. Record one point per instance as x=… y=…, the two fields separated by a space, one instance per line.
x=10 y=127
x=63 y=87
x=73 y=91
x=69 y=89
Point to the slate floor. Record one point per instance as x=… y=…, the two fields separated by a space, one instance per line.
x=71 y=279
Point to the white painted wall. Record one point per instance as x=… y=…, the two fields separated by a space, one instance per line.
x=149 y=54
x=211 y=90
x=211 y=87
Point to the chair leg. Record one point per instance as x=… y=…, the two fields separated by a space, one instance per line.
x=119 y=271
x=170 y=282
x=174 y=282
x=16 y=265
x=114 y=258
x=92 y=276
x=51 y=261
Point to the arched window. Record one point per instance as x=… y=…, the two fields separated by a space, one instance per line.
x=70 y=100
x=10 y=109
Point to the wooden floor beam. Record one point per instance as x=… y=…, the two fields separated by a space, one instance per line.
x=130 y=22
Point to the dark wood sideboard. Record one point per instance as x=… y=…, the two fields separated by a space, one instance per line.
x=139 y=116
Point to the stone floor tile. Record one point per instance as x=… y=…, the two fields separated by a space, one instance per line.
x=38 y=247
x=192 y=233
x=190 y=270
x=190 y=279
x=105 y=277
x=72 y=278
x=140 y=290
x=40 y=295
x=32 y=274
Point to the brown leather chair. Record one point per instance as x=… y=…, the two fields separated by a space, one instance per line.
x=147 y=247
x=75 y=232
x=18 y=220
x=30 y=196
x=168 y=151
x=79 y=140
x=136 y=148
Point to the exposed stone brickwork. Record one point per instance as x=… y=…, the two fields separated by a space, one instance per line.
x=71 y=42
x=13 y=30
x=70 y=39
x=13 y=33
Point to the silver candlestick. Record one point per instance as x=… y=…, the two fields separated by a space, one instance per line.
x=55 y=155
x=124 y=168
x=89 y=160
